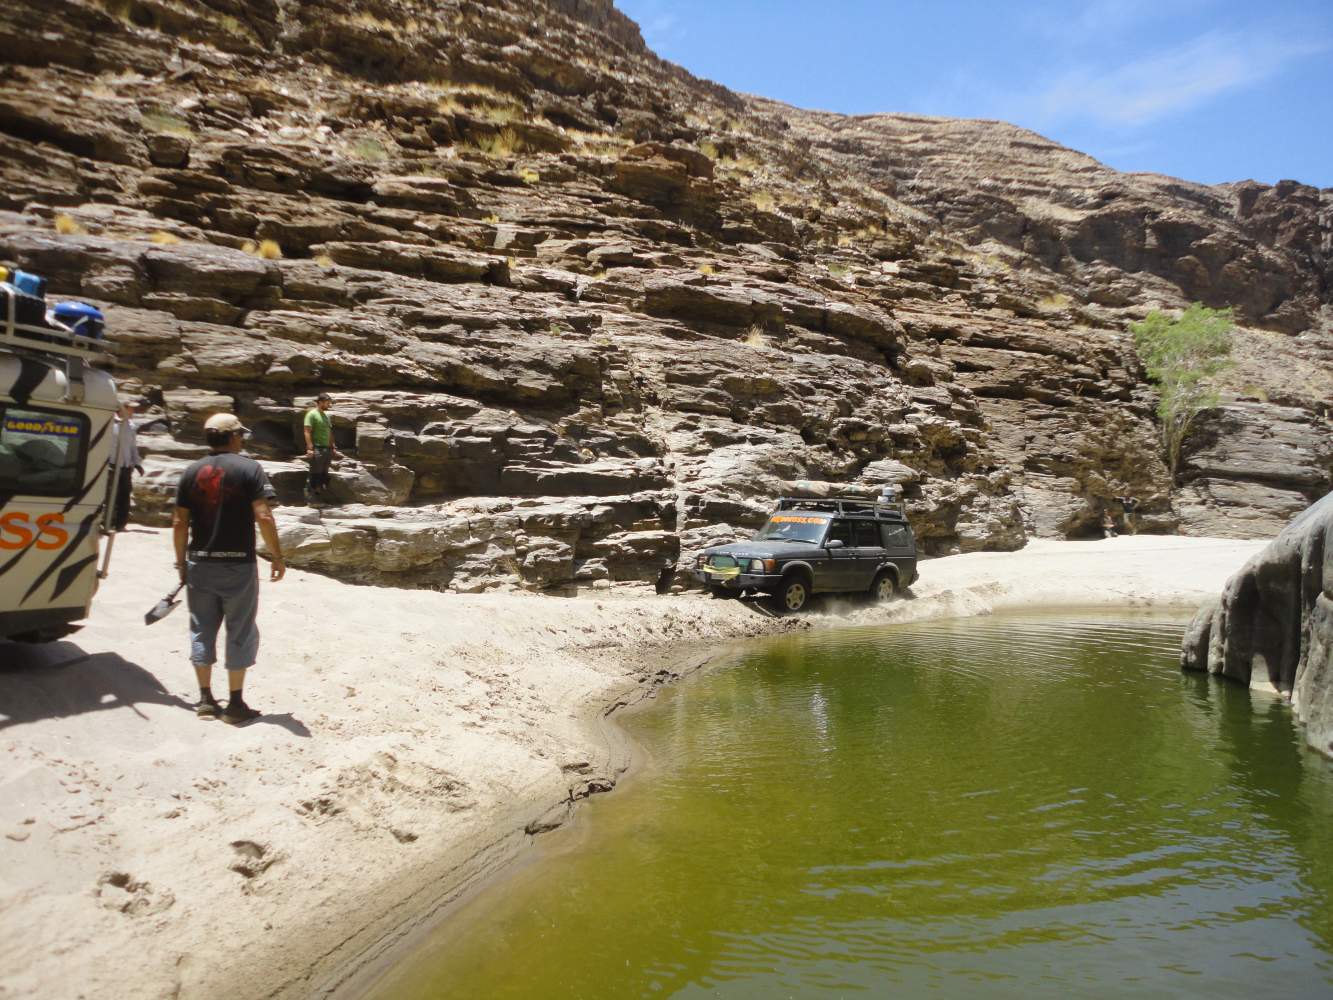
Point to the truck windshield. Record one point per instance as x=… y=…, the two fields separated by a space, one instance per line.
x=794 y=528
x=41 y=451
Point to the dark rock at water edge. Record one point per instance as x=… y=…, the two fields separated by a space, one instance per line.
x=1272 y=627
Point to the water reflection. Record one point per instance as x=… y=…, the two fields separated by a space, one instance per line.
x=996 y=807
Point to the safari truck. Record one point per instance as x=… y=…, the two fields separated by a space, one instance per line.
x=836 y=545
x=55 y=439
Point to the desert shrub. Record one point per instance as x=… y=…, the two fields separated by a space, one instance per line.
x=1180 y=355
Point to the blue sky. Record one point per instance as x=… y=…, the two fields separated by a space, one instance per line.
x=1208 y=90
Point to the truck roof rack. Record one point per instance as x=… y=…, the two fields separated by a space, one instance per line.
x=845 y=505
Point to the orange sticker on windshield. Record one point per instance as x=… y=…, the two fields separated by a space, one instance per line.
x=794 y=519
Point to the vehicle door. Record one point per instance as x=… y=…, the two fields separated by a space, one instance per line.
x=51 y=491
x=839 y=566
x=869 y=550
x=899 y=548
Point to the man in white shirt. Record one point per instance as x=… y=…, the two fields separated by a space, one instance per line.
x=125 y=459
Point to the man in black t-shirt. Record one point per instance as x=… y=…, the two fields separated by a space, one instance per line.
x=219 y=501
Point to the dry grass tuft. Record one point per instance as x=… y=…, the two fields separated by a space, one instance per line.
x=529 y=176
x=270 y=250
x=754 y=337
x=707 y=269
x=165 y=121
x=164 y=239
x=764 y=201
x=368 y=149
x=1055 y=302
x=324 y=260
x=66 y=226
x=503 y=143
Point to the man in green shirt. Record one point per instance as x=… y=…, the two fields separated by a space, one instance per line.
x=319 y=450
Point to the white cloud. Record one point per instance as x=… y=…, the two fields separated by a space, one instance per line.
x=1166 y=82
x=1095 y=20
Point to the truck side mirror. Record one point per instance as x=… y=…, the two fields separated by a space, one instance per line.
x=833 y=543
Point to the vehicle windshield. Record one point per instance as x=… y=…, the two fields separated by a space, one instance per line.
x=41 y=451
x=793 y=528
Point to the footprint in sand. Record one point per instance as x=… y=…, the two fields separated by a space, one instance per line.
x=252 y=859
x=125 y=894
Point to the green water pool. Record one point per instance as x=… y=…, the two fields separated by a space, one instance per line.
x=1021 y=806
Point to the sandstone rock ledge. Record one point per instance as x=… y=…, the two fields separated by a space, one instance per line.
x=1272 y=627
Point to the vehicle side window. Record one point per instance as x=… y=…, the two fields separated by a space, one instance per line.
x=41 y=451
x=866 y=535
x=895 y=536
x=841 y=530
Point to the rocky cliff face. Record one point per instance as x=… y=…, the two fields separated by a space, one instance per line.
x=583 y=313
x=1272 y=627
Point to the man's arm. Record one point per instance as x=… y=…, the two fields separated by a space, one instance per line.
x=269 y=529
x=180 y=535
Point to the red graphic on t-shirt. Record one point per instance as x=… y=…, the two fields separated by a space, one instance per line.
x=208 y=486
x=211 y=491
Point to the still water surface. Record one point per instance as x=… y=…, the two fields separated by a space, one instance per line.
x=998 y=807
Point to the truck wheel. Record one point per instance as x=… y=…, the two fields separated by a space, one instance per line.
x=794 y=594
x=884 y=587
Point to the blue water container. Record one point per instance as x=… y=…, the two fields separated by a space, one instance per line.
x=29 y=283
x=83 y=319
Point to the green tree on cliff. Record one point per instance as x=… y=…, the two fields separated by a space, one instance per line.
x=1181 y=353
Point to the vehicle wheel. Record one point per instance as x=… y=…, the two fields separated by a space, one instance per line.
x=723 y=594
x=883 y=588
x=794 y=594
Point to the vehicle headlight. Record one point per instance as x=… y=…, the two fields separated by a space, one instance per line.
x=761 y=566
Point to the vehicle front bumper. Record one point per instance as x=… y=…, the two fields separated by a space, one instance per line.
x=767 y=582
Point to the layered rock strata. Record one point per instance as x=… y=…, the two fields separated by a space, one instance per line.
x=583 y=314
x=1272 y=627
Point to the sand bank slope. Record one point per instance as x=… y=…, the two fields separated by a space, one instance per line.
x=413 y=742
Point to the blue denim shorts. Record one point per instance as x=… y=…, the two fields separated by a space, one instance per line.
x=218 y=592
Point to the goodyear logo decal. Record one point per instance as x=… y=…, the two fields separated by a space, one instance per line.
x=796 y=519
x=43 y=426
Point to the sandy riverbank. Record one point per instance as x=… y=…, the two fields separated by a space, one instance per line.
x=412 y=740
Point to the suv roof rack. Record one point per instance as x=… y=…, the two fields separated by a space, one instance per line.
x=845 y=505
x=49 y=339
x=52 y=344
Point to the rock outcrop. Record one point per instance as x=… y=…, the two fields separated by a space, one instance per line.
x=583 y=313
x=1272 y=627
